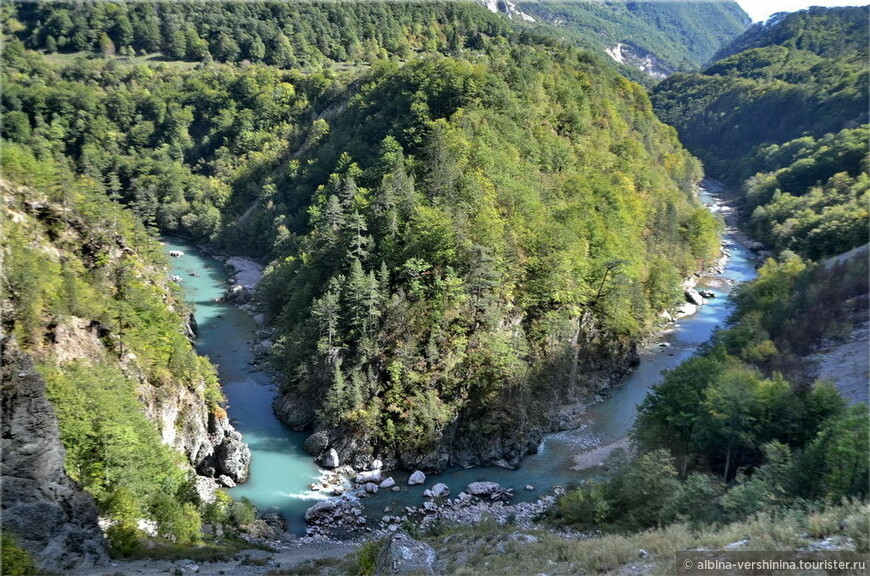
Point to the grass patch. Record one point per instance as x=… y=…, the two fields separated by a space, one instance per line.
x=209 y=552
x=320 y=567
x=66 y=58
x=490 y=549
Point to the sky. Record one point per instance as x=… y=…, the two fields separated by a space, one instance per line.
x=761 y=9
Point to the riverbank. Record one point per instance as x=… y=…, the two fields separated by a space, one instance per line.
x=563 y=458
x=228 y=328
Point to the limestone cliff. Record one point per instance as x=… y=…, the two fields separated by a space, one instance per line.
x=49 y=514
x=96 y=317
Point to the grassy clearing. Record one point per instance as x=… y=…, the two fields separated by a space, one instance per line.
x=66 y=58
x=320 y=567
x=487 y=549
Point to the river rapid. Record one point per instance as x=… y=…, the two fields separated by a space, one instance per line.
x=282 y=473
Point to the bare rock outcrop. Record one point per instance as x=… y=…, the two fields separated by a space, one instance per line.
x=47 y=512
x=404 y=555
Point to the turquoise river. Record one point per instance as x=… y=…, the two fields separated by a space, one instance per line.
x=281 y=472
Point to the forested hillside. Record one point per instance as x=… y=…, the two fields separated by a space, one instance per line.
x=457 y=241
x=658 y=37
x=786 y=119
x=282 y=34
x=86 y=299
x=482 y=234
x=803 y=75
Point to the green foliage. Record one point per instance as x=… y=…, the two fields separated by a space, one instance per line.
x=124 y=539
x=813 y=197
x=695 y=501
x=109 y=442
x=285 y=35
x=631 y=499
x=94 y=310
x=241 y=512
x=484 y=195
x=776 y=443
x=821 y=31
x=367 y=557
x=584 y=507
x=218 y=512
x=177 y=521
x=16 y=561
x=679 y=36
x=805 y=74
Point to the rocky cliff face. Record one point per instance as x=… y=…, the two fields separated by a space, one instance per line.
x=580 y=373
x=49 y=514
x=212 y=446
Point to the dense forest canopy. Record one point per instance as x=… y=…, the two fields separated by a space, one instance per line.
x=443 y=230
x=786 y=119
x=495 y=205
x=282 y=34
x=288 y=34
x=803 y=75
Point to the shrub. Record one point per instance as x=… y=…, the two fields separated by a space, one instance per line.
x=242 y=512
x=15 y=560
x=124 y=539
x=587 y=506
x=218 y=512
x=367 y=557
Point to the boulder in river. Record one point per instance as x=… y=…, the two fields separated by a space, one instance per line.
x=321 y=509
x=388 y=483
x=233 y=459
x=693 y=297
x=416 y=478
x=331 y=459
x=482 y=488
x=493 y=490
x=369 y=476
x=440 y=490
x=316 y=443
x=370 y=488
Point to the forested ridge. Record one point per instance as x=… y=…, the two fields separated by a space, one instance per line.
x=486 y=232
x=675 y=35
x=283 y=34
x=805 y=74
x=783 y=115
x=287 y=35
x=451 y=237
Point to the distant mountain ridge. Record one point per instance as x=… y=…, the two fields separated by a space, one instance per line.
x=657 y=38
x=822 y=31
x=806 y=74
